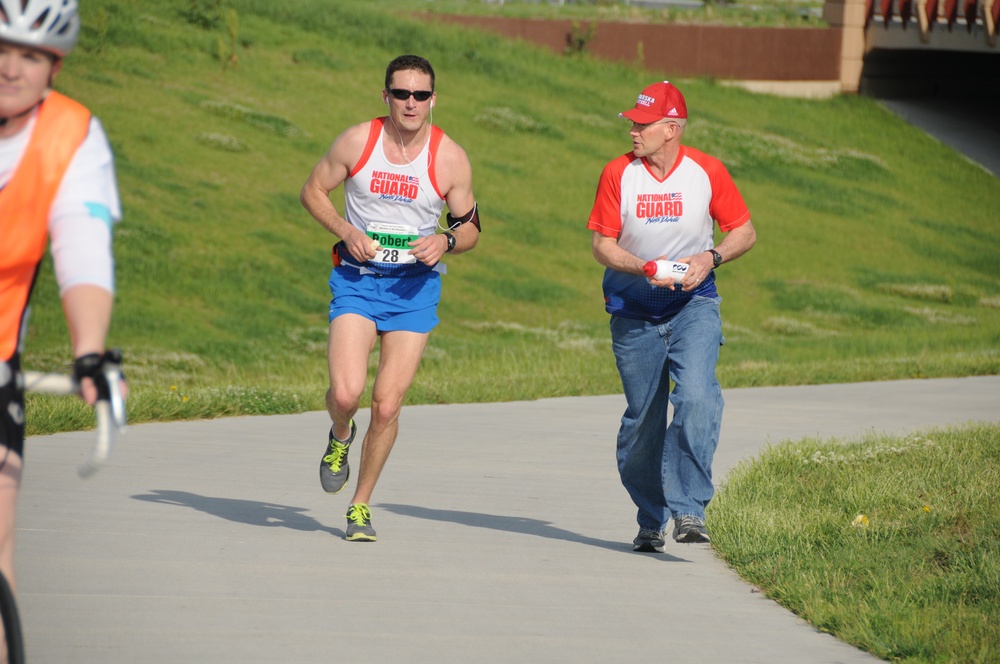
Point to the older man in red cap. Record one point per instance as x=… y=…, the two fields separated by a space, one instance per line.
x=661 y=201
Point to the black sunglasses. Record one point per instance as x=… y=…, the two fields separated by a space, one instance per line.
x=403 y=95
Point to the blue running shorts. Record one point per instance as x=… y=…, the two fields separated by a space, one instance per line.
x=394 y=303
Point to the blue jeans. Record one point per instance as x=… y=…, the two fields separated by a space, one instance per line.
x=667 y=467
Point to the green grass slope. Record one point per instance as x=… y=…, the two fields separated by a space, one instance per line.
x=876 y=258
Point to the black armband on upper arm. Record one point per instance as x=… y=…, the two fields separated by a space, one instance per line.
x=473 y=216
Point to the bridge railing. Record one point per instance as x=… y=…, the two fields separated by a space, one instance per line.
x=931 y=15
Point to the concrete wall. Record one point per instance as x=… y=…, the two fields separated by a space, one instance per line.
x=850 y=17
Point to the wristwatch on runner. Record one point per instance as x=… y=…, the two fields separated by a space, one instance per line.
x=716 y=258
x=451 y=242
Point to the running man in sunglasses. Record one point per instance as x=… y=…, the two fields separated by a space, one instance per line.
x=57 y=181
x=398 y=172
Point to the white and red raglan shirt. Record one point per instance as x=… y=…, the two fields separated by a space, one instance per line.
x=672 y=217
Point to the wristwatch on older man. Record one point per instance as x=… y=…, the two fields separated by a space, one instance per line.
x=716 y=258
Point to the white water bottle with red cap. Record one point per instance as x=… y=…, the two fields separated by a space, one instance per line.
x=660 y=270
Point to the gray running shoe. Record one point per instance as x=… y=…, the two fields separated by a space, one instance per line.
x=359 y=524
x=648 y=541
x=333 y=469
x=690 y=530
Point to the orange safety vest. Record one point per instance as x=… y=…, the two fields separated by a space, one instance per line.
x=25 y=201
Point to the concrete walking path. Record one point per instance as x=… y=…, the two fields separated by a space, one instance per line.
x=504 y=536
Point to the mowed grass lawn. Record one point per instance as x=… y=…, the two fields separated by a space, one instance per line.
x=889 y=543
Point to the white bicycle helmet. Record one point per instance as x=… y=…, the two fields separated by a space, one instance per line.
x=49 y=25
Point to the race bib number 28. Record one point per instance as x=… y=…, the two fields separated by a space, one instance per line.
x=393 y=242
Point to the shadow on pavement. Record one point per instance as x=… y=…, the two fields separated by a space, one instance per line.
x=512 y=524
x=250 y=512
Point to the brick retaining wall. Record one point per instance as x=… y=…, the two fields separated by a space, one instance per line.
x=724 y=52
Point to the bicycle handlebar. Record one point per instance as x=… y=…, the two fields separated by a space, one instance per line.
x=109 y=409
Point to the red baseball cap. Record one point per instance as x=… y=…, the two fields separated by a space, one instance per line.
x=656 y=102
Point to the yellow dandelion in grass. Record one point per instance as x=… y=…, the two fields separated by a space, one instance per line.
x=926 y=508
x=860 y=521
x=184 y=398
x=173 y=388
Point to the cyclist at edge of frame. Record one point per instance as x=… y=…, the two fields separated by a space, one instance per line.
x=57 y=182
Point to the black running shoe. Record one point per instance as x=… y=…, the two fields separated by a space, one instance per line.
x=648 y=541
x=690 y=530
